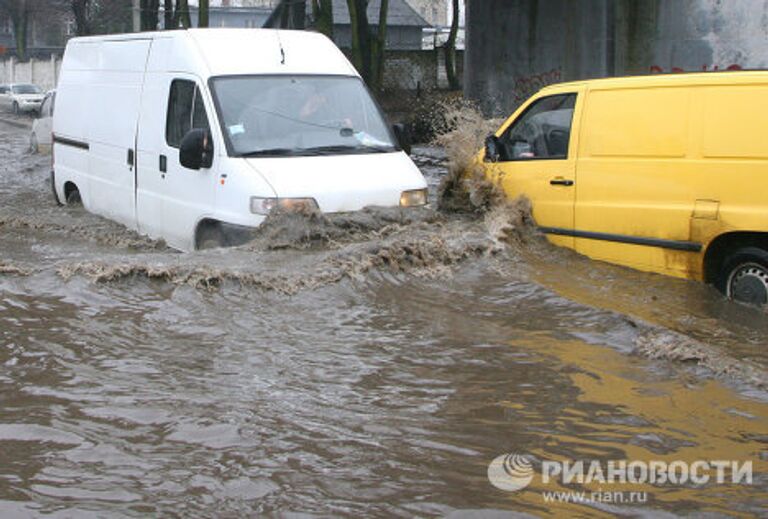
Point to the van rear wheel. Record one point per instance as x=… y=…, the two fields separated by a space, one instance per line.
x=744 y=276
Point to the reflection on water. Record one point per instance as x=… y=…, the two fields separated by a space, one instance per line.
x=384 y=388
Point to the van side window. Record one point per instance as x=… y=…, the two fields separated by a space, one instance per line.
x=186 y=111
x=543 y=131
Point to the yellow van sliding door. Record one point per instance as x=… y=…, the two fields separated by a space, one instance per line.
x=635 y=198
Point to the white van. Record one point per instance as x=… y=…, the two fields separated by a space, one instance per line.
x=188 y=135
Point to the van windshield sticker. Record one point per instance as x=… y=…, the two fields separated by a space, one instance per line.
x=236 y=129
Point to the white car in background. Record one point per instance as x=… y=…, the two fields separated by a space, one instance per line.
x=41 y=137
x=21 y=97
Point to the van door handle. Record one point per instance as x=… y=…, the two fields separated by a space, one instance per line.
x=163 y=164
x=561 y=182
x=130 y=158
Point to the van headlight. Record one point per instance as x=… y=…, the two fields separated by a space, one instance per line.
x=413 y=198
x=265 y=206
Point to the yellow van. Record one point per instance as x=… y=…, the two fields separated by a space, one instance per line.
x=665 y=174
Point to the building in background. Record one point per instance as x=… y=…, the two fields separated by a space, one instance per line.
x=437 y=35
x=47 y=32
x=6 y=34
x=405 y=27
x=270 y=4
x=234 y=17
x=436 y=12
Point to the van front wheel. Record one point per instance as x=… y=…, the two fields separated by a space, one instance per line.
x=744 y=276
x=73 y=198
x=210 y=236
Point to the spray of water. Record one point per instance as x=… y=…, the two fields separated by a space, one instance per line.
x=466 y=187
x=11 y=269
x=659 y=343
x=316 y=230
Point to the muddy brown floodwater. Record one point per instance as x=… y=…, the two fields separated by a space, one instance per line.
x=364 y=365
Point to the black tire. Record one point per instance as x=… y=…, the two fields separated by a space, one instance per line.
x=210 y=236
x=744 y=276
x=73 y=198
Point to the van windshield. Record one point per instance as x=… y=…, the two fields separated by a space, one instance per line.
x=299 y=116
x=26 y=89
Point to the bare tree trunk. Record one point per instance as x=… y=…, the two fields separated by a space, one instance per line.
x=285 y=15
x=82 y=22
x=379 y=48
x=368 y=49
x=181 y=15
x=322 y=12
x=143 y=9
x=168 y=15
x=149 y=14
x=20 y=21
x=203 y=13
x=450 y=50
x=361 y=40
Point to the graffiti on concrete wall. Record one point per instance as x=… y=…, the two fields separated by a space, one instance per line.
x=526 y=86
x=656 y=69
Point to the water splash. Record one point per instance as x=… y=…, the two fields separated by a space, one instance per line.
x=466 y=187
x=659 y=343
x=11 y=269
x=318 y=230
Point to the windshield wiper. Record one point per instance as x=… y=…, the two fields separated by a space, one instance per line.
x=339 y=149
x=272 y=152
x=317 y=151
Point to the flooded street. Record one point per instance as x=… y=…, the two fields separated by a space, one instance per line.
x=363 y=365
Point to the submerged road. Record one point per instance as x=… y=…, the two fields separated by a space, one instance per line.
x=371 y=365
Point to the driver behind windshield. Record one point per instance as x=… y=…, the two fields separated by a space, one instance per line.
x=301 y=114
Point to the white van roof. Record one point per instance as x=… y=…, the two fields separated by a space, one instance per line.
x=219 y=52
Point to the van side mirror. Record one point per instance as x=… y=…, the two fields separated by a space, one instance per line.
x=403 y=136
x=492 y=149
x=196 y=149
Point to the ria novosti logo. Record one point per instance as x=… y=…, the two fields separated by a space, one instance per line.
x=510 y=472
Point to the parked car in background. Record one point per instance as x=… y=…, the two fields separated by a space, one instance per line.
x=5 y=97
x=658 y=173
x=21 y=97
x=41 y=137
